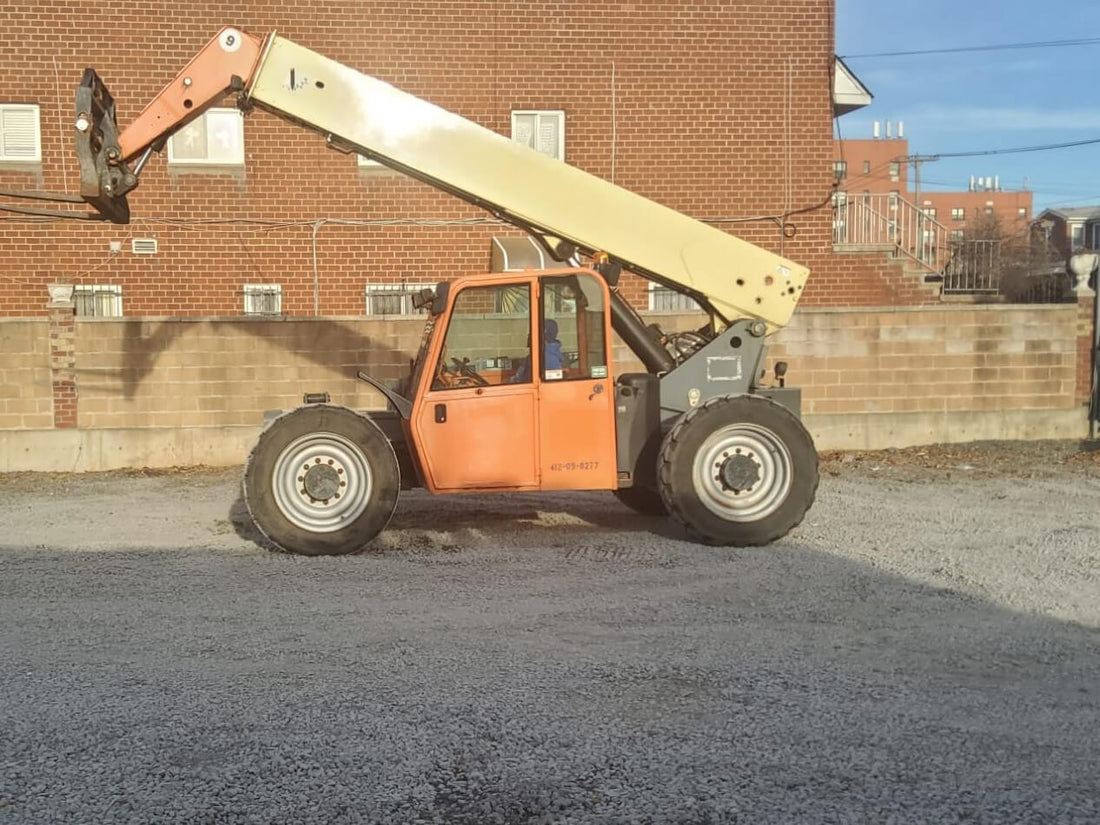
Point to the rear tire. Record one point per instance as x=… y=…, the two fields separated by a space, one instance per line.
x=738 y=470
x=322 y=480
x=643 y=500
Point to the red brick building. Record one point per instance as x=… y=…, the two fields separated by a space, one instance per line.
x=882 y=166
x=255 y=214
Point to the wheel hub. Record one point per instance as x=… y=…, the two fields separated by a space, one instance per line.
x=742 y=472
x=738 y=472
x=322 y=482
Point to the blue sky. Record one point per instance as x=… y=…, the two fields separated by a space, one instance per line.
x=983 y=100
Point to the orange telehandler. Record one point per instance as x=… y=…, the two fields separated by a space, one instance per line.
x=514 y=387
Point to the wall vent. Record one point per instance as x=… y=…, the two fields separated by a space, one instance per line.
x=144 y=246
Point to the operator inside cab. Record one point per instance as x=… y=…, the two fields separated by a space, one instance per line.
x=551 y=353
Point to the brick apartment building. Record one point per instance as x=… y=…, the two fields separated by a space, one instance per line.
x=255 y=215
x=881 y=166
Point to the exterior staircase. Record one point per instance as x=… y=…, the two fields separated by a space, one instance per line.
x=886 y=222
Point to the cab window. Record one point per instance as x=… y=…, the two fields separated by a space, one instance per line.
x=573 y=343
x=487 y=338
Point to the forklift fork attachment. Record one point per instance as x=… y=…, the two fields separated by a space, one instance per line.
x=104 y=177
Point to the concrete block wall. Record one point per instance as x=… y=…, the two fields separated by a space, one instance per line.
x=943 y=359
x=214 y=372
x=163 y=392
x=26 y=393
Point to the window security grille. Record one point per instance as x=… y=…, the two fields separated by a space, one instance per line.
x=392 y=299
x=663 y=299
x=97 y=301
x=263 y=299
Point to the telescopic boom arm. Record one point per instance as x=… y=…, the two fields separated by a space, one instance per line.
x=567 y=209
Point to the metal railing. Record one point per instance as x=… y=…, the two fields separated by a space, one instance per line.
x=973 y=268
x=886 y=219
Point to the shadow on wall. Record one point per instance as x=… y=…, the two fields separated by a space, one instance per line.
x=335 y=346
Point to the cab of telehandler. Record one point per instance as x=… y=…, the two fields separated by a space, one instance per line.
x=514 y=385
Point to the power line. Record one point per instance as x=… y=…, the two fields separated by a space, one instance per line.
x=1038 y=44
x=1015 y=150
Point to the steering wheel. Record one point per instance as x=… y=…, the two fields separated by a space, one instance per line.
x=463 y=368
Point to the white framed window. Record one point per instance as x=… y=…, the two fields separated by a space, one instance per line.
x=1076 y=236
x=540 y=129
x=958 y=213
x=393 y=299
x=895 y=170
x=20 y=133
x=866 y=167
x=263 y=299
x=215 y=139
x=97 y=301
x=840 y=169
x=930 y=211
x=1021 y=212
x=956 y=235
x=663 y=299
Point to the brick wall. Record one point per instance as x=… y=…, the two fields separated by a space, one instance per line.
x=647 y=103
x=26 y=396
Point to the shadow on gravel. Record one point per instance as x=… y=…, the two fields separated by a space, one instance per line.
x=496 y=515
x=787 y=686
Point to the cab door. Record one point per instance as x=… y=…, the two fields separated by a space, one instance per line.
x=576 y=402
x=476 y=423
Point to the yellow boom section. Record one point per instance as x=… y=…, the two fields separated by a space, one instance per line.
x=739 y=279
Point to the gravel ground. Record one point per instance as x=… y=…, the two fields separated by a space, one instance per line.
x=924 y=648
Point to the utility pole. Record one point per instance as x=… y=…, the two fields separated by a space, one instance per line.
x=917 y=160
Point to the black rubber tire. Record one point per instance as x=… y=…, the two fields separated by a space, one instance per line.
x=675 y=470
x=643 y=500
x=374 y=448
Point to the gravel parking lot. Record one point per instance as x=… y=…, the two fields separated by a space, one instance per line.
x=924 y=648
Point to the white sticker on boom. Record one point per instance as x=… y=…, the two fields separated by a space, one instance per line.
x=724 y=368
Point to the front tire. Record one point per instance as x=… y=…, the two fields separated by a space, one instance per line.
x=322 y=480
x=738 y=470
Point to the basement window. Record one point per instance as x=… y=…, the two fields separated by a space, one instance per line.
x=540 y=129
x=97 y=301
x=393 y=299
x=663 y=299
x=214 y=139
x=263 y=299
x=20 y=135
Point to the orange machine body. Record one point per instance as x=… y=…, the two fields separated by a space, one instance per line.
x=555 y=431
